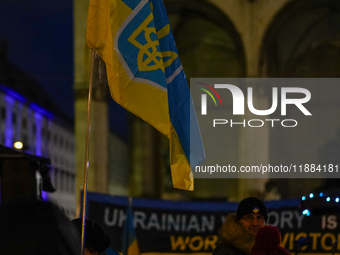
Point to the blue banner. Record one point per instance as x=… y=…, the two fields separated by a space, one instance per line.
x=192 y=227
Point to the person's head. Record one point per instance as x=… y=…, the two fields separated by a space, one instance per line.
x=96 y=240
x=267 y=242
x=252 y=214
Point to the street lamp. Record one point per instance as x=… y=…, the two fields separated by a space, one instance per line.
x=18 y=145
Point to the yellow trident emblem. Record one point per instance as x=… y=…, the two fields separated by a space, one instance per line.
x=153 y=60
x=256 y=210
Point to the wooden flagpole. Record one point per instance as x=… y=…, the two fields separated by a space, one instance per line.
x=86 y=168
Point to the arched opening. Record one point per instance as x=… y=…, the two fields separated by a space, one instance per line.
x=207 y=41
x=303 y=41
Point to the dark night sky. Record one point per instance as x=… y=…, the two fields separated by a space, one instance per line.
x=39 y=34
x=40 y=38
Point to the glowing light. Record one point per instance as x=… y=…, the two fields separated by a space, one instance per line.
x=8 y=122
x=41 y=110
x=44 y=195
x=306 y=212
x=13 y=94
x=321 y=194
x=18 y=145
x=337 y=200
x=303 y=198
x=38 y=135
x=311 y=195
x=328 y=199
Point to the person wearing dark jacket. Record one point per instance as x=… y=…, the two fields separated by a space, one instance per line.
x=238 y=232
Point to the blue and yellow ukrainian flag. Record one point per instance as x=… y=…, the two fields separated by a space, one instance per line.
x=130 y=244
x=145 y=75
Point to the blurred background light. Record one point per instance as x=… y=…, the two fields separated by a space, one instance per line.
x=18 y=145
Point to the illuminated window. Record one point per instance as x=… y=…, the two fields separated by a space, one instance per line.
x=3 y=113
x=62 y=180
x=24 y=123
x=56 y=177
x=14 y=118
x=25 y=140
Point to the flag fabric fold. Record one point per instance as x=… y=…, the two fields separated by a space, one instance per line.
x=145 y=75
x=130 y=244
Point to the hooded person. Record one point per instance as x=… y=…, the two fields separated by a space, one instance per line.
x=238 y=232
x=96 y=240
x=268 y=241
